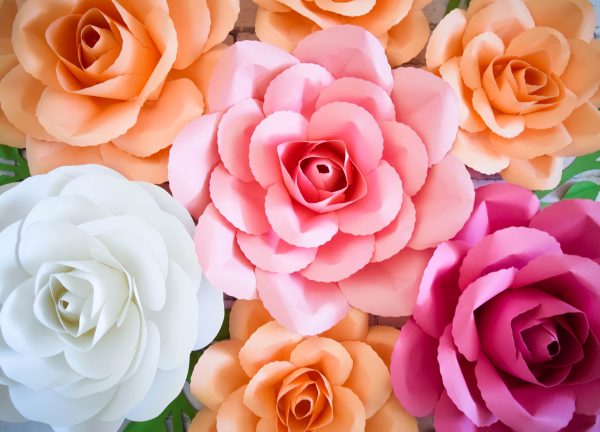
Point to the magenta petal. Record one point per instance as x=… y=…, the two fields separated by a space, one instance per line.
x=191 y=160
x=221 y=260
x=415 y=372
x=387 y=288
x=427 y=104
x=299 y=304
x=244 y=71
x=340 y=258
x=394 y=237
x=448 y=418
x=588 y=401
x=583 y=423
x=347 y=51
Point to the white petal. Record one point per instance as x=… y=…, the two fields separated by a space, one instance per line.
x=92 y=426
x=170 y=205
x=72 y=171
x=211 y=312
x=8 y=412
x=38 y=373
x=12 y=273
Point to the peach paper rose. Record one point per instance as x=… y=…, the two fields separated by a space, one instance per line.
x=269 y=379
x=525 y=74
x=400 y=25
x=107 y=82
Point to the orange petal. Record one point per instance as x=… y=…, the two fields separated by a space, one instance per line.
x=8 y=11
x=582 y=75
x=44 y=156
x=541 y=173
x=272 y=5
x=477 y=5
x=246 y=317
x=218 y=373
x=204 y=421
x=152 y=169
x=504 y=125
x=283 y=30
x=476 y=152
x=223 y=15
x=192 y=23
x=580 y=13
x=325 y=355
x=262 y=390
x=385 y=15
x=532 y=143
x=310 y=11
x=542 y=38
x=350 y=8
x=596 y=98
x=270 y=424
x=9 y=134
x=392 y=417
x=478 y=55
x=446 y=39
x=407 y=38
x=354 y=326
x=233 y=415
x=382 y=339
x=348 y=412
x=584 y=127
x=555 y=113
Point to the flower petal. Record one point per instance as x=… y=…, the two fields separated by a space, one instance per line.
x=580 y=24
x=394 y=237
x=44 y=156
x=505 y=125
x=583 y=126
x=260 y=395
x=283 y=30
x=329 y=357
x=446 y=39
x=532 y=143
x=392 y=416
x=348 y=412
x=507 y=19
x=582 y=75
x=246 y=317
x=542 y=38
x=407 y=38
x=541 y=173
x=234 y=415
x=476 y=151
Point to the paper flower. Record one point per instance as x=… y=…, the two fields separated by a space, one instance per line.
x=101 y=300
x=107 y=82
x=400 y=25
x=524 y=73
x=507 y=322
x=321 y=178
x=267 y=378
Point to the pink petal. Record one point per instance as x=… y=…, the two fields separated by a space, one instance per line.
x=278 y=128
x=340 y=258
x=394 y=237
x=222 y=262
x=297 y=89
x=299 y=304
x=241 y=203
x=583 y=423
x=448 y=418
x=355 y=126
x=427 y=104
x=387 y=288
x=296 y=224
x=347 y=50
x=269 y=252
x=193 y=157
x=587 y=399
x=379 y=207
x=244 y=71
x=443 y=204
x=233 y=137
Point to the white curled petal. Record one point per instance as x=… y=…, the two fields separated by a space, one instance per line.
x=8 y=412
x=12 y=273
x=38 y=373
x=73 y=171
x=211 y=312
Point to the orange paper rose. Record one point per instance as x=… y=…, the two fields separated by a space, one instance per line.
x=269 y=379
x=525 y=74
x=106 y=81
x=400 y=25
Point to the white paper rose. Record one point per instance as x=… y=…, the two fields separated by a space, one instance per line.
x=101 y=300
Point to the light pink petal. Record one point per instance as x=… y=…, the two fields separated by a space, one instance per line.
x=233 y=137
x=427 y=104
x=379 y=207
x=244 y=71
x=222 y=262
x=340 y=258
x=362 y=93
x=347 y=50
x=387 y=288
x=277 y=128
x=271 y=253
x=296 y=224
x=299 y=304
x=353 y=125
x=415 y=371
x=394 y=237
x=404 y=150
x=191 y=160
x=448 y=418
x=297 y=89
x=443 y=204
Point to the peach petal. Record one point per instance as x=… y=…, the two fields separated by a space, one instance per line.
x=302 y=305
x=8 y=10
x=283 y=30
x=10 y=135
x=532 y=142
x=370 y=377
x=246 y=317
x=581 y=22
x=193 y=157
x=408 y=38
x=541 y=173
x=8 y=62
x=478 y=54
x=270 y=342
x=382 y=339
x=553 y=115
x=505 y=125
x=310 y=11
x=297 y=89
x=218 y=373
x=268 y=424
x=272 y=5
x=349 y=8
x=204 y=421
x=159 y=122
x=261 y=393
x=582 y=75
x=441 y=212
x=233 y=415
x=596 y=98
x=396 y=280
x=385 y=15
x=584 y=128
x=542 y=38
x=423 y=99
x=392 y=417
x=222 y=261
x=476 y=151
x=354 y=326
x=339 y=258
x=223 y=15
x=44 y=156
x=348 y=412
x=244 y=71
x=394 y=237
x=446 y=39
x=325 y=355
x=151 y=169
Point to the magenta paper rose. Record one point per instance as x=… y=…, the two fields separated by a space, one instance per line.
x=507 y=322
x=321 y=178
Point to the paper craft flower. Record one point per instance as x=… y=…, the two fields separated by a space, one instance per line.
x=269 y=379
x=101 y=300
x=506 y=329
x=321 y=178
x=400 y=25
x=107 y=82
x=524 y=72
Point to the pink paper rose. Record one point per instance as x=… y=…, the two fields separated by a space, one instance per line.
x=321 y=178
x=505 y=333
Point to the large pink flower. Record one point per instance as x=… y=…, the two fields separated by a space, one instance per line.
x=506 y=329
x=322 y=178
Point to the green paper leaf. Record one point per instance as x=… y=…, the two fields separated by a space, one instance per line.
x=174 y=418
x=454 y=4
x=13 y=167
x=584 y=189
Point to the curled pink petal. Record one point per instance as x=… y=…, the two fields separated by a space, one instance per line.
x=394 y=237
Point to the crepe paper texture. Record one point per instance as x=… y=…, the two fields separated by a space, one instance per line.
x=106 y=82
x=321 y=179
x=505 y=333
x=526 y=80
x=268 y=378
x=13 y=167
x=101 y=300
x=401 y=26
